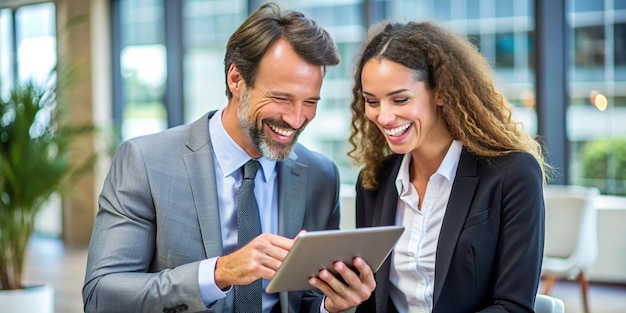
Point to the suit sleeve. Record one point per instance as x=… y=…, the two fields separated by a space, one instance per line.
x=520 y=249
x=122 y=247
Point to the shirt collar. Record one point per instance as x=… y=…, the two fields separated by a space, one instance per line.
x=230 y=157
x=447 y=168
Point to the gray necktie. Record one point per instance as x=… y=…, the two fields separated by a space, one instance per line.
x=248 y=298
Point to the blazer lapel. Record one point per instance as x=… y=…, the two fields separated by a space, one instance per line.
x=201 y=171
x=461 y=196
x=292 y=187
x=385 y=214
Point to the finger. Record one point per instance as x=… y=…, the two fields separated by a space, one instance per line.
x=348 y=276
x=366 y=274
x=300 y=233
x=280 y=241
x=321 y=282
x=338 y=296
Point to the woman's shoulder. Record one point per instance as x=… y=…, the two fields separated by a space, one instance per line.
x=513 y=159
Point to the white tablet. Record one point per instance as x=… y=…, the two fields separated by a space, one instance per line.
x=316 y=250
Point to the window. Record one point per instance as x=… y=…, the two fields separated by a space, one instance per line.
x=28 y=53
x=206 y=29
x=620 y=45
x=505 y=50
x=142 y=59
x=589 y=46
x=473 y=9
x=504 y=8
x=587 y=6
x=6 y=52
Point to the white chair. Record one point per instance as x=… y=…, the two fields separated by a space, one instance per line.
x=571 y=241
x=548 y=304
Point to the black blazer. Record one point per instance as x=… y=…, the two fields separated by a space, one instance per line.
x=491 y=243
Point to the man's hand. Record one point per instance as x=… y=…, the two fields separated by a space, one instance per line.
x=260 y=258
x=339 y=295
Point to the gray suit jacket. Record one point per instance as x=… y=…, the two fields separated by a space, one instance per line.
x=158 y=218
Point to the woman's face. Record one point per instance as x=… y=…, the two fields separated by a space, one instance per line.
x=403 y=108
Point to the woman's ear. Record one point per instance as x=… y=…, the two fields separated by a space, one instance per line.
x=236 y=84
x=439 y=99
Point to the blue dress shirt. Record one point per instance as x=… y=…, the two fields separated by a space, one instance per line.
x=229 y=158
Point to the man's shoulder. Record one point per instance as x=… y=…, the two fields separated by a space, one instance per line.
x=308 y=156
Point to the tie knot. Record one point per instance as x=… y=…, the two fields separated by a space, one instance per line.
x=250 y=169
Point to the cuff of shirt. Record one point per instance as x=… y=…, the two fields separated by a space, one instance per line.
x=209 y=291
x=322 y=308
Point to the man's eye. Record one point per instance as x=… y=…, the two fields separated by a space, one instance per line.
x=280 y=99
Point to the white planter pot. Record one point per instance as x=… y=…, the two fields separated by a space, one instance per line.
x=38 y=297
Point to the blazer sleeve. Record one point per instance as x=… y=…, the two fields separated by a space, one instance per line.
x=519 y=256
x=118 y=277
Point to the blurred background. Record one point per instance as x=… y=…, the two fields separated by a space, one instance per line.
x=141 y=66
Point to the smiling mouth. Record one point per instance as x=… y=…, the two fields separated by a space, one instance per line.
x=397 y=131
x=285 y=132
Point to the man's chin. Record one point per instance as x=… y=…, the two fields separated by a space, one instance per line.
x=277 y=151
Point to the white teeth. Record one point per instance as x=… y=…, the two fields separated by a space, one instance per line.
x=398 y=130
x=282 y=132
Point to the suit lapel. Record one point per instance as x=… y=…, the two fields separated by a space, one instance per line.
x=461 y=196
x=292 y=182
x=201 y=171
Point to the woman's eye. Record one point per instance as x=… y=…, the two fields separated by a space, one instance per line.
x=371 y=102
x=401 y=100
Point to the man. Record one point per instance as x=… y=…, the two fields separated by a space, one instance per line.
x=166 y=233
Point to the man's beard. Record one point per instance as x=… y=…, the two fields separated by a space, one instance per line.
x=269 y=148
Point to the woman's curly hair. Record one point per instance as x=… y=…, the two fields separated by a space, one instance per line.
x=474 y=112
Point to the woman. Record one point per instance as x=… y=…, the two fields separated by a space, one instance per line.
x=442 y=156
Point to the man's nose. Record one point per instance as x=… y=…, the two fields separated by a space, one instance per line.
x=295 y=115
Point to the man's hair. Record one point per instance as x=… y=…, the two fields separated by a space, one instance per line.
x=250 y=41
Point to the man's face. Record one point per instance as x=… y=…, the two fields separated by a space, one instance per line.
x=282 y=102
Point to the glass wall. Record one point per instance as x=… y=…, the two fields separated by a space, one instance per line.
x=502 y=30
x=207 y=25
x=142 y=60
x=329 y=131
x=7 y=57
x=27 y=44
x=28 y=52
x=597 y=86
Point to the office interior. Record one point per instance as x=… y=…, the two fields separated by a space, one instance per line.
x=141 y=66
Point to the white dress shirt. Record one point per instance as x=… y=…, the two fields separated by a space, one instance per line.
x=412 y=274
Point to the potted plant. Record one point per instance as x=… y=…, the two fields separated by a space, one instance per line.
x=36 y=160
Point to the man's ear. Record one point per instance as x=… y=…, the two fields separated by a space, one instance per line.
x=236 y=84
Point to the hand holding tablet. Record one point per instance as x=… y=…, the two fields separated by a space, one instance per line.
x=318 y=250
